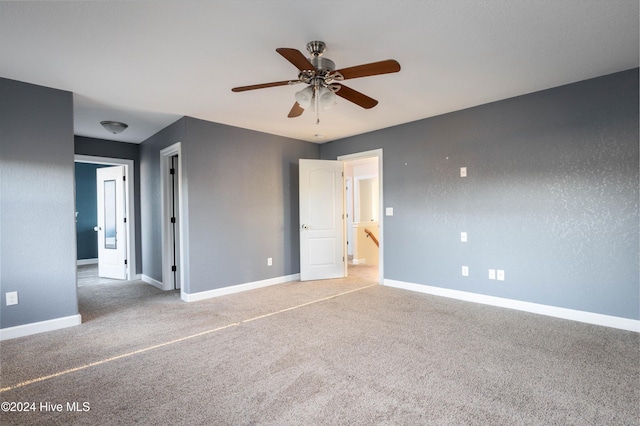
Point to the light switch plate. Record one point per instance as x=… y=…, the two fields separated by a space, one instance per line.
x=269 y=261
x=465 y=271
x=500 y=275
x=492 y=274
x=389 y=211
x=463 y=172
x=463 y=237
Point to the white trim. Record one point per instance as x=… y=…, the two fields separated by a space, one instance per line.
x=81 y=262
x=368 y=154
x=131 y=205
x=165 y=200
x=40 y=327
x=194 y=297
x=358 y=261
x=147 y=279
x=535 y=308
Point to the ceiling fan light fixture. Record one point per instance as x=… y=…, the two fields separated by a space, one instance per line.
x=114 y=127
x=304 y=97
x=326 y=98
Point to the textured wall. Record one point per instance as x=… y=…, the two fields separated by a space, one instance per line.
x=37 y=225
x=551 y=197
x=241 y=192
x=243 y=204
x=150 y=197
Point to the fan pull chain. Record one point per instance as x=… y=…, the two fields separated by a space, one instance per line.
x=316 y=92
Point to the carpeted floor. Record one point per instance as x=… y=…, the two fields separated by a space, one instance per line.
x=323 y=352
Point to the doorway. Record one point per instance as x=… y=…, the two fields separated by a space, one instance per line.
x=364 y=195
x=323 y=219
x=173 y=277
x=90 y=264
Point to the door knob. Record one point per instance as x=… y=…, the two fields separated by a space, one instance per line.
x=303 y=226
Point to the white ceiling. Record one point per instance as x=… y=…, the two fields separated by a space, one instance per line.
x=148 y=63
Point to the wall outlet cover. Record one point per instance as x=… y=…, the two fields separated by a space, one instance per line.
x=12 y=298
x=389 y=211
x=465 y=271
x=492 y=274
x=463 y=237
x=500 y=274
x=463 y=172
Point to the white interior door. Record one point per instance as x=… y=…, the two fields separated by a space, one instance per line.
x=322 y=222
x=112 y=238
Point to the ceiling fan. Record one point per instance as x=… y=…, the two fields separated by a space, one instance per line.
x=322 y=79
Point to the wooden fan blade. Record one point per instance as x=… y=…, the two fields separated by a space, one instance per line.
x=374 y=68
x=296 y=58
x=262 y=86
x=296 y=111
x=356 y=97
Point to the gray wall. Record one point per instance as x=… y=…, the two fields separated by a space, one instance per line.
x=37 y=226
x=120 y=150
x=551 y=197
x=241 y=189
x=150 y=196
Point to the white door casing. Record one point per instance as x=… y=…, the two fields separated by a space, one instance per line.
x=322 y=221
x=112 y=236
x=171 y=279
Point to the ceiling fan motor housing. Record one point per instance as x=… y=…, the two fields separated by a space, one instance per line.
x=322 y=64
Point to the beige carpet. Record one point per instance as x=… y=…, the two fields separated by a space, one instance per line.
x=323 y=352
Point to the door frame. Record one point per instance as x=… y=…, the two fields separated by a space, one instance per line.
x=166 y=203
x=130 y=226
x=370 y=154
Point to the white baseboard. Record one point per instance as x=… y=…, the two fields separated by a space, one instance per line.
x=552 y=311
x=194 y=297
x=87 y=262
x=359 y=261
x=39 y=327
x=147 y=279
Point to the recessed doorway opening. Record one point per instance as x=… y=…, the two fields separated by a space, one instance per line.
x=364 y=195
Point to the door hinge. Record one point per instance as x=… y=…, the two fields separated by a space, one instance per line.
x=124 y=178
x=125 y=220
x=173 y=220
x=172 y=171
x=174 y=268
x=125 y=261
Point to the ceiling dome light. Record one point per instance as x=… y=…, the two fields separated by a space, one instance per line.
x=114 y=127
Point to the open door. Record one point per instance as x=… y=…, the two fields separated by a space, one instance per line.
x=112 y=238
x=322 y=221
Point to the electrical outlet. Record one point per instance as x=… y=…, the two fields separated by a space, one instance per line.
x=465 y=271
x=492 y=274
x=12 y=298
x=463 y=172
x=500 y=275
x=388 y=211
x=269 y=261
x=463 y=237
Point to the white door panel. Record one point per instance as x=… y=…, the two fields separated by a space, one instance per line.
x=322 y=224
x=112 y=241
